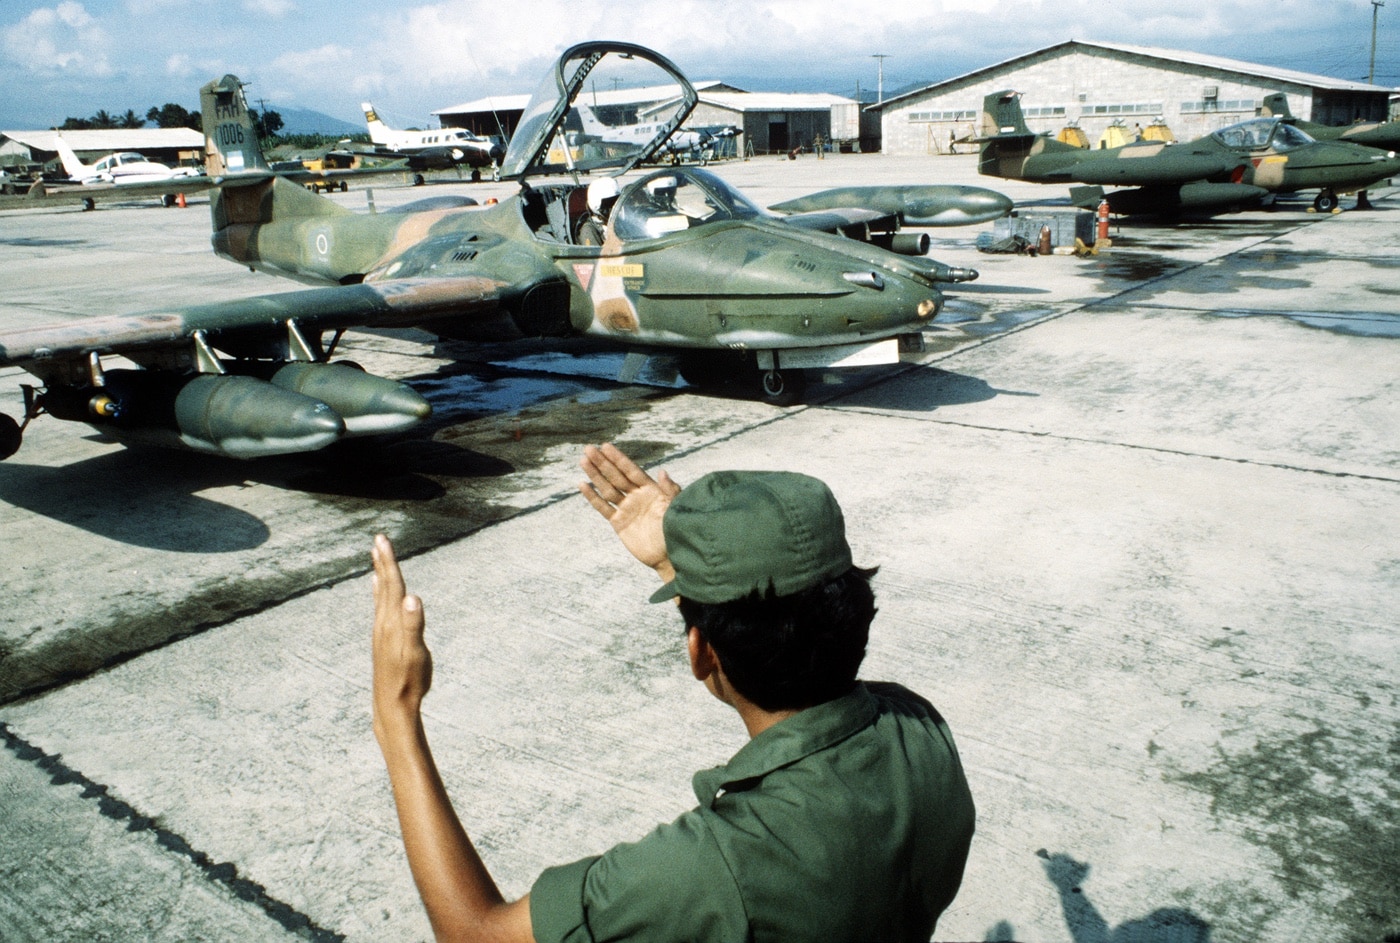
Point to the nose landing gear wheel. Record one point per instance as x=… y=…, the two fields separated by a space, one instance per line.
x=782 y=387
x=1326 y=202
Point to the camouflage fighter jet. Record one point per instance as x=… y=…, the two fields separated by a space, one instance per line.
x=1383 y=135
x=683 y=262
x=1238 y=165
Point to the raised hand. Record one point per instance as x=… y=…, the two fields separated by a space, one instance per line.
x=631 y=501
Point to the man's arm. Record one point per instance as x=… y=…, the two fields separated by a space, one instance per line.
x=458 y=892
x=632 y=501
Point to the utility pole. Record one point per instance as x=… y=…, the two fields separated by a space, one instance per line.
x=880 y=93
x=1375 y=12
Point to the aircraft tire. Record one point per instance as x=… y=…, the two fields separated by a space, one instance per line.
x=418 y=180
x=782 y=387
x=10 y=436
x=1326 y=202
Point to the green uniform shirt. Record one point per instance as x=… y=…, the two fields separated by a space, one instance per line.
x=848 y=821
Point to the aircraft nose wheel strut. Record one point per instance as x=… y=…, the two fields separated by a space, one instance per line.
x=1326 y=201
x=782 y=387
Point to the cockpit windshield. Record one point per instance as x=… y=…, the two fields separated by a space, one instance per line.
x=680 y=198
x=1262 y=132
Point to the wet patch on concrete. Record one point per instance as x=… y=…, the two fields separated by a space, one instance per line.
x=1322 y=801
x=1346 y=323
x=964 y=319
x=1135 y=267
x=37 y=242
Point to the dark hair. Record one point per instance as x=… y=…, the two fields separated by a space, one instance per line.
x=794 y=651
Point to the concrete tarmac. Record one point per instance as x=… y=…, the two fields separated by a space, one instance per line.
x=1134 y=519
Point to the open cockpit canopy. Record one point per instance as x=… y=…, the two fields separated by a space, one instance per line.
x=602 y=106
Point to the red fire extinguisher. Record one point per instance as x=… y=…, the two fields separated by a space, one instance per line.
x=1103 y=220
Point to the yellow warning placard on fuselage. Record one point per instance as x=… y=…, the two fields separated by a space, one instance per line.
x=621 y=269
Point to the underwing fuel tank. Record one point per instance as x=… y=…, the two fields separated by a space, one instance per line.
x=237 y=416
x=368 y=404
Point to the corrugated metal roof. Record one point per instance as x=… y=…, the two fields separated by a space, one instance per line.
x=111 y=139
x=621 y=96
x=774 y=101
x=1178 y=56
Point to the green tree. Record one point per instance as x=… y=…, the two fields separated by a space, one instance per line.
x=171 y=115
x=266 y=122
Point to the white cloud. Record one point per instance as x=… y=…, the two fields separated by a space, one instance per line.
x=62 y=38
x=273 y=8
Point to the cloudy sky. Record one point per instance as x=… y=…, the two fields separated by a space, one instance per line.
x=71 y=58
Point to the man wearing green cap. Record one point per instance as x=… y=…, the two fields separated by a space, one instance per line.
x=845 y=817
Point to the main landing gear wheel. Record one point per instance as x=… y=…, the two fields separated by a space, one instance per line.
x=1326 y=201
x=10 y=436
x=782 y=387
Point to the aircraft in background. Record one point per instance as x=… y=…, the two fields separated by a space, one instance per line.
x=121 y=168
x=1238 y=165
x=439 y=149
x=1384 y=135
x=683 y=141
x=684 y=264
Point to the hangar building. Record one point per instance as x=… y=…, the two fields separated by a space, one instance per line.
x=1098 y=84
x=172 y=146
x=771 y=122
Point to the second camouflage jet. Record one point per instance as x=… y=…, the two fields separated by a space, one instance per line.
x=1236 y=166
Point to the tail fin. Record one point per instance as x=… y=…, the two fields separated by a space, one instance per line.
x=230 y=138
x=1007 y=143
x=1002 y=117
x=231 y=151
x=72 y=166
x=1276 y=104
x=378 y=130
x=591 y=124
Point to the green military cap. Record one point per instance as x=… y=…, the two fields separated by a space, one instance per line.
x=734 y=532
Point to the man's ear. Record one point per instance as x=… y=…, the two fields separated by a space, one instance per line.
x=703 y=661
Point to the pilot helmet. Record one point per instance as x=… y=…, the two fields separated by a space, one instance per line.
x=661 y=192
x=601 y=192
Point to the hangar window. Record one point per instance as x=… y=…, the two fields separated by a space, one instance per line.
x=1049 y=111
x=1141 y=108
x=964 y=115
x=1214 y=104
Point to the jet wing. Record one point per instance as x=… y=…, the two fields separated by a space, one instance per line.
x=399 y=303
x=80 y=193
x=914 y=205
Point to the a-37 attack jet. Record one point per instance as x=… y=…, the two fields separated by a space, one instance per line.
x=1384 y=135
x=676 y=260
x=1238 y=165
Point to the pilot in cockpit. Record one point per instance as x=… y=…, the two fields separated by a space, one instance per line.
x=663 y=215
x=602 y=194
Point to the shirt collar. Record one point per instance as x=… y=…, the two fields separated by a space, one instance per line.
x=786 y=742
